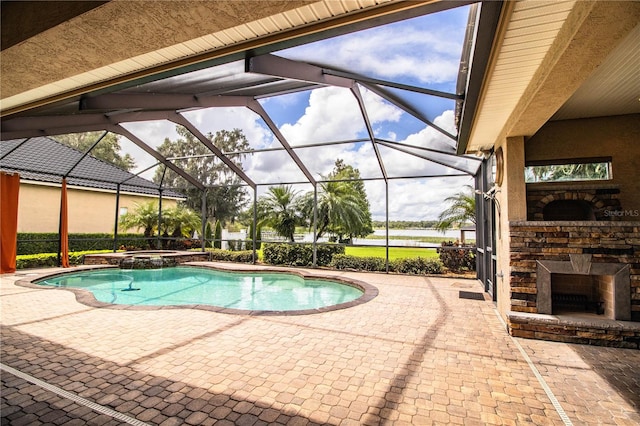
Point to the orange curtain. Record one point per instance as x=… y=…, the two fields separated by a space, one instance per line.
x=64 y=226
x=9 y=190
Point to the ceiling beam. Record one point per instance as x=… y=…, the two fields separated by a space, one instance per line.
x=277 y=66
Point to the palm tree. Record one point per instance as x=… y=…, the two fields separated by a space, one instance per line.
x=145 y=216
x=278 y=209
x=339 y=208
x=461 y=210
x=181 y=221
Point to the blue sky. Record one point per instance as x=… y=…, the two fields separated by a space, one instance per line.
x=423 y=51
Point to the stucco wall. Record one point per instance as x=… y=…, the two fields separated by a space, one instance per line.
x=615 y=137
x=89 y=211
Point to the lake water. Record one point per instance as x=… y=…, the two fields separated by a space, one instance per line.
x=452 y=234
x=449 y=234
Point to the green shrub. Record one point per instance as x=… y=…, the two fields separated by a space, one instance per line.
x=416 y=266
x=208 y=235
x=299 y=254
x=34 y=243
x=457 y=260
x=413 y=266
x=356 y=263
x=43 y=260
x=217 y=235
x=244 y=256
x=249 y=241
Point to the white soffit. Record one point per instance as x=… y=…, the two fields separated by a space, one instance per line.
x=530 y=32
x=613 y=88
x=309 y=14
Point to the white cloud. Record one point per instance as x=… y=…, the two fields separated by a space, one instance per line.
x=414 y=199
x=216 y=119
x=428 y=55
x=333 y=114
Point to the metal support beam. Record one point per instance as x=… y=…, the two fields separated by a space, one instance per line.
x=365 y=116
x=363 y=79
x=148 y=102
x=287 y=69
x=203 y=216
x=257 y=108
x=155 y=154
x=406 y=151
x=386 y=224
x=315 y=225
x=181 y=120
x=159 y=240
x=115 y=224
x=87 y=152
x=407 y=108
x=255 y=236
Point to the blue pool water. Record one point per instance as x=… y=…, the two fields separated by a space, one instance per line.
x=199 y=286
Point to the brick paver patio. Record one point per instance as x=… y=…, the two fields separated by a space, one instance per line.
x=416 y=354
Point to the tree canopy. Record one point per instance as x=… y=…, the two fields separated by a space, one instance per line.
x=225 y=195
x=342 y=206
x=108 y=149
x=462 y=209
x=279 y=209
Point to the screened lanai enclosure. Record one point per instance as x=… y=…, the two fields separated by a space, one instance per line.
x=381 y=95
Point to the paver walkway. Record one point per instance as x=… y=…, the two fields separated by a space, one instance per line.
x=416 y=354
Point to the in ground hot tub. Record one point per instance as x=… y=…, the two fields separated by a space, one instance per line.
x=145 y=259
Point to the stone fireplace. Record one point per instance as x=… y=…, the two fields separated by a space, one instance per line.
x=576 y=281
x=580 y=286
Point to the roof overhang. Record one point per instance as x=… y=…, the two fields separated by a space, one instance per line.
x=121 y=44
x=552 y=61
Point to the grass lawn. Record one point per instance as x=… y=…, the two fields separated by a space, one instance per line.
x=394 y=252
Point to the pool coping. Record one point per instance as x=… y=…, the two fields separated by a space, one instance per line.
x=87 y=298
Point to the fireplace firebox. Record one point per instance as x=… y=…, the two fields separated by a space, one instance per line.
x=580 y=286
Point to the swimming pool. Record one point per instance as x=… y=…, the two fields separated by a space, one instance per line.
x=200 y=287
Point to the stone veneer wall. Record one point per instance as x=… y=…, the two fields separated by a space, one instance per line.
x=607 y=242
x=115 y=259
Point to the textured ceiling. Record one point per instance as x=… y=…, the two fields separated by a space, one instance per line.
x=124 y=40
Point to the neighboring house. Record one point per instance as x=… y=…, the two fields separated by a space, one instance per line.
x=91 y=186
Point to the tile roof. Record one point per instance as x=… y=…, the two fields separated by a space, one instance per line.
x=46 y=160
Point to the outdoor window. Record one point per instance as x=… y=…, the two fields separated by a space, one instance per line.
x=568 y=170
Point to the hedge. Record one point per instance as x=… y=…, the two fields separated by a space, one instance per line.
x=244 y=256
x=43 y=260
x=457 y=259
x=357 y=263
x=299 y=254
x=34 y=243
x=414 y=266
